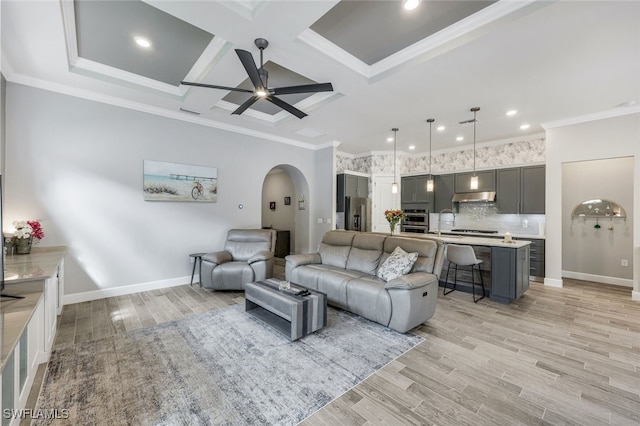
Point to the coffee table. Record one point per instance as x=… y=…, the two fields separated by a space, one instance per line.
x=295 y=316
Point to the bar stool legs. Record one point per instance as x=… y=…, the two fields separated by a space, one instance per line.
x=463 y=255
x=473 y=284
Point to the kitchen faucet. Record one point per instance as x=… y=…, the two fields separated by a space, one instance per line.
x=440 y=214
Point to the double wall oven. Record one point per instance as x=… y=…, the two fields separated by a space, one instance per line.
x=416 y=221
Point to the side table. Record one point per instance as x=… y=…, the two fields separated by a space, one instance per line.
x=197 y=260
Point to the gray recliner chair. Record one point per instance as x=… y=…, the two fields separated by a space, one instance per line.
x=247 y=257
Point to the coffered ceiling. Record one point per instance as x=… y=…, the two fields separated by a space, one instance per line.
x=548 y=60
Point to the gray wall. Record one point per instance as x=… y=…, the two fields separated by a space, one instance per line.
x=77 y=166
x=587 y=251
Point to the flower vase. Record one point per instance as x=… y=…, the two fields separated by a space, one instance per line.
x=393 y=228
x=23 y=245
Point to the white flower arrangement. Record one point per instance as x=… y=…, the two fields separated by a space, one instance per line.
x=23 y=229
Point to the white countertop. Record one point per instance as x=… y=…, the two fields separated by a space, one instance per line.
x=483 y=241
x=497 y=235
x=28 y=271
x=39 y=265
x=471 y=240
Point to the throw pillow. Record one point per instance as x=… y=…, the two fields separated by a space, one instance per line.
x=398 y=263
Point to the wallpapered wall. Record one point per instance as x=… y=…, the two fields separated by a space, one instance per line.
x=513 y=153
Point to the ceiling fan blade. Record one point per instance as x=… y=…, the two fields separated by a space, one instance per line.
x=250 y=67
x=213 y=86
x=305 y=88
x=285 y=106
x=242 y=108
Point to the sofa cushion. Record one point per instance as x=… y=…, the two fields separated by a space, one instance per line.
x=398 y=263
x=334 y=255
x=426 y=249
x=365 y=253
x=244 y=243
x=368 y=298
x=338 y=238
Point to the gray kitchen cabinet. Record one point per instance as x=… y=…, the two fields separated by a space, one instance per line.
x=533 y=190
x=509 y=273
x=486 y=181
x=508 y=190
x=350 y=186
x=521 y=190
x=443 y=192
x=536 y=268
x=414 y=190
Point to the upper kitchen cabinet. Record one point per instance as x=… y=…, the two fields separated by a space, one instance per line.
x=414 y=190
x=444 y=190
x=521 y=190
x=508 y=190
x=486 y=181
x=351 y=186
x=533 y=190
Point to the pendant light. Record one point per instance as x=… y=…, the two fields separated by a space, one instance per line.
x=430 y=180
x=394 y=185
x=473 y=184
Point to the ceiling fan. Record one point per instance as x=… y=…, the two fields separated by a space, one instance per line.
x=259 y=77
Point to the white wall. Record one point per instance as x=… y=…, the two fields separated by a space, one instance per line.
x=613 y=137
x=77 y=166
x=591 y=253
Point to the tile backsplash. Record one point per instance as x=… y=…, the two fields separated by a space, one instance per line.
x=485 y=216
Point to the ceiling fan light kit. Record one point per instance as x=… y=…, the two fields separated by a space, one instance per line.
x=260 y=79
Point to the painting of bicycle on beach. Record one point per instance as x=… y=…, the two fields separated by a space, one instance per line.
x=179 y=182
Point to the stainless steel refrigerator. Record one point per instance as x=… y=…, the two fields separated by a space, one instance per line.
x=357 y=213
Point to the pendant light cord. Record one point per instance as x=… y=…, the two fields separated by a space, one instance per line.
x=430 y=121
x=475 y=112
x=395 y=132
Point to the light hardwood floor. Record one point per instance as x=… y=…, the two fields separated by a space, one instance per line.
x=556 y=356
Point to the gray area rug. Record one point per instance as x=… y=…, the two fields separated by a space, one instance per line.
x=223 y=367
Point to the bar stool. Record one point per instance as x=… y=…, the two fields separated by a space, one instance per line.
x=460 y=255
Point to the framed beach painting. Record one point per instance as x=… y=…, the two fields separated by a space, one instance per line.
x=164 y=181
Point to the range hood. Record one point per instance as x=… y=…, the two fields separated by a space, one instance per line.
x=470 y=197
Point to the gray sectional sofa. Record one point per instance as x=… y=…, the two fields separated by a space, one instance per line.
x=345 y=268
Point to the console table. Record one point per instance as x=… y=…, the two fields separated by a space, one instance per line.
x=28 y=325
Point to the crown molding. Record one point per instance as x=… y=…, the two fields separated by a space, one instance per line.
x=430 y=47
x=210 y=56
x=611 y=113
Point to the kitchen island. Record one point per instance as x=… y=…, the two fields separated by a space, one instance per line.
x=505 y=265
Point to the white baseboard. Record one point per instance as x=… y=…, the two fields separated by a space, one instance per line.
x=552 y=282
x=126 y=289
x=598 y=278
x=635 y=295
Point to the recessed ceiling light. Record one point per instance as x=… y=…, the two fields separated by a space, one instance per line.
x=142 y=42
x=440 y=128
x=390 y=139
x=512 y=112
x=459 y=138
x=524 y=127
x=412 y=147
x=410 y=4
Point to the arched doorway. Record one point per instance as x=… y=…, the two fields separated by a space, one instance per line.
x=282 y=189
